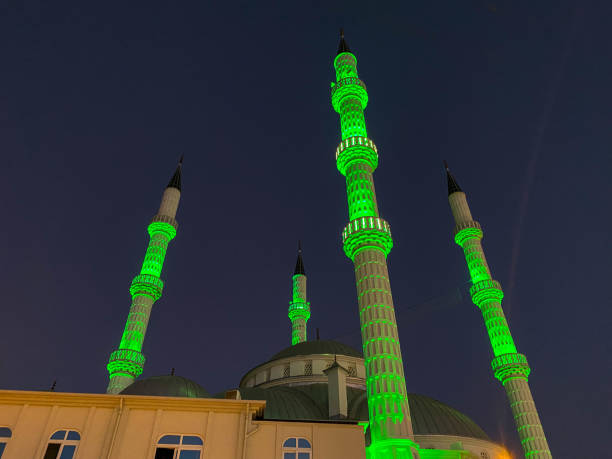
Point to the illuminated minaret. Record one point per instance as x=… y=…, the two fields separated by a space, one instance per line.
x=126 y=363
x=509 y=367
x=299 y=308
x=367 y=242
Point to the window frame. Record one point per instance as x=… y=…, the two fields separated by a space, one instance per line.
x=297 y=449
x=4 y=439
x=63 y=442
x=180 y=446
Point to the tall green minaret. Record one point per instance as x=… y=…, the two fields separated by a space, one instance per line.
x=299 y=308
x=367 y=242
x=509 y=367
x=126 y=363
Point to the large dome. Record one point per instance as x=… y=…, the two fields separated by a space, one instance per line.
x=317 y=347
x=309 y=402
x=166 y=386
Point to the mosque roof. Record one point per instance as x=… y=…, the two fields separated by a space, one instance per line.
x=166 y=386
x=309 y=402
x=317 y=347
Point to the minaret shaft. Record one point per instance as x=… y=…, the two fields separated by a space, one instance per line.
x=509 y=367
x=299 y=307
x=127 y=362
x=367 y=242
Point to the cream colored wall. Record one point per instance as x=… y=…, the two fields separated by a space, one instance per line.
x=328 y=440
x=128 y=427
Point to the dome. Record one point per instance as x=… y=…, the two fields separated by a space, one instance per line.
x=317 y=347
x=166 y=386
x=429 y=417
x=288 y=403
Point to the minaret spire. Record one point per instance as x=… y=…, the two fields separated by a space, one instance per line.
x=509 y=367
x=175 y=180
x=299 y=308
x=367 y=242
x=127 y=362
x=453 y=186
x=343 y=46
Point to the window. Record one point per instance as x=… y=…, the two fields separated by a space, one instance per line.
x=5 y=434
x=179 y=447
x=62 y=444
x=297 y=448
x=308 y=368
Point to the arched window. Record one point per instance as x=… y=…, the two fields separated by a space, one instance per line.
x=62 y=444
x=297 y=448
x=5 y=435
x=179 y=447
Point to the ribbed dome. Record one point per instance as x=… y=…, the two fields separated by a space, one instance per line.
x=166 y=386
x=288 y=403
x=317 y=347
x=429 y=417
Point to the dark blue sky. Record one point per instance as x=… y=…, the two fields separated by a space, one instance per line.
x=97 y=101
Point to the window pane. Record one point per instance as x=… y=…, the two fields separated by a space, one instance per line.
x=170 y=440
x=186 y=454
x=303 y=443
x=52 y=451
x=289 y=443
x=192 y=440
x=5 y=432
x=303 y=455
x=68 y=451
x=164 y=453
x=2 y=445
x=289 y=456
x=73 y=435
x=59 y=435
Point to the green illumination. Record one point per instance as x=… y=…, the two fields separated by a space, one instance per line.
x=509 y=367
x=127 y=363
x=367 y=241
x=299 y=310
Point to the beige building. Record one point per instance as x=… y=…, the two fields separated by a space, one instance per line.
x=64 y=425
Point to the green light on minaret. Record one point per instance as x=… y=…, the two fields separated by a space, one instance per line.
x=299 y=308
x=367 y=242
x=126 y=363
x=509 y=367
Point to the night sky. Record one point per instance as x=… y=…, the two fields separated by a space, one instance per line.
x=98 y=101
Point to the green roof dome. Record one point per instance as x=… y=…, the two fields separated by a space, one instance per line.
x=429 y=416
x=309 y=402
x=166 y=386
x=317 y=347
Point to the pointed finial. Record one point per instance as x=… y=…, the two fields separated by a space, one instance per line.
x=53 y=386
x=175 y=181
x=299 y=264
x=453 y=186
x=318 y=337
x=342 y=46
x=172 y=372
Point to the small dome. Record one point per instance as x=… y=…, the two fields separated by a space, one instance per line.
x=166 y=386
x=317 y=347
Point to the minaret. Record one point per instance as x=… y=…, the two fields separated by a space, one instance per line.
x=509 y=367
x=299 y=308
x=126 y=363
x=367 y=242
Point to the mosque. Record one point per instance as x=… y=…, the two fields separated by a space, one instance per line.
x=316 y=399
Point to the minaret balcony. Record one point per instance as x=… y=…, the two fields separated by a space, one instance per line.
x=126 y=361
x=349 y=87
x=356 y=148
x=145 y=284
x=163 y=224
x=299 y=309
x=366 y=232
x=486 y=290
x=467 y=230
x=508 y=366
